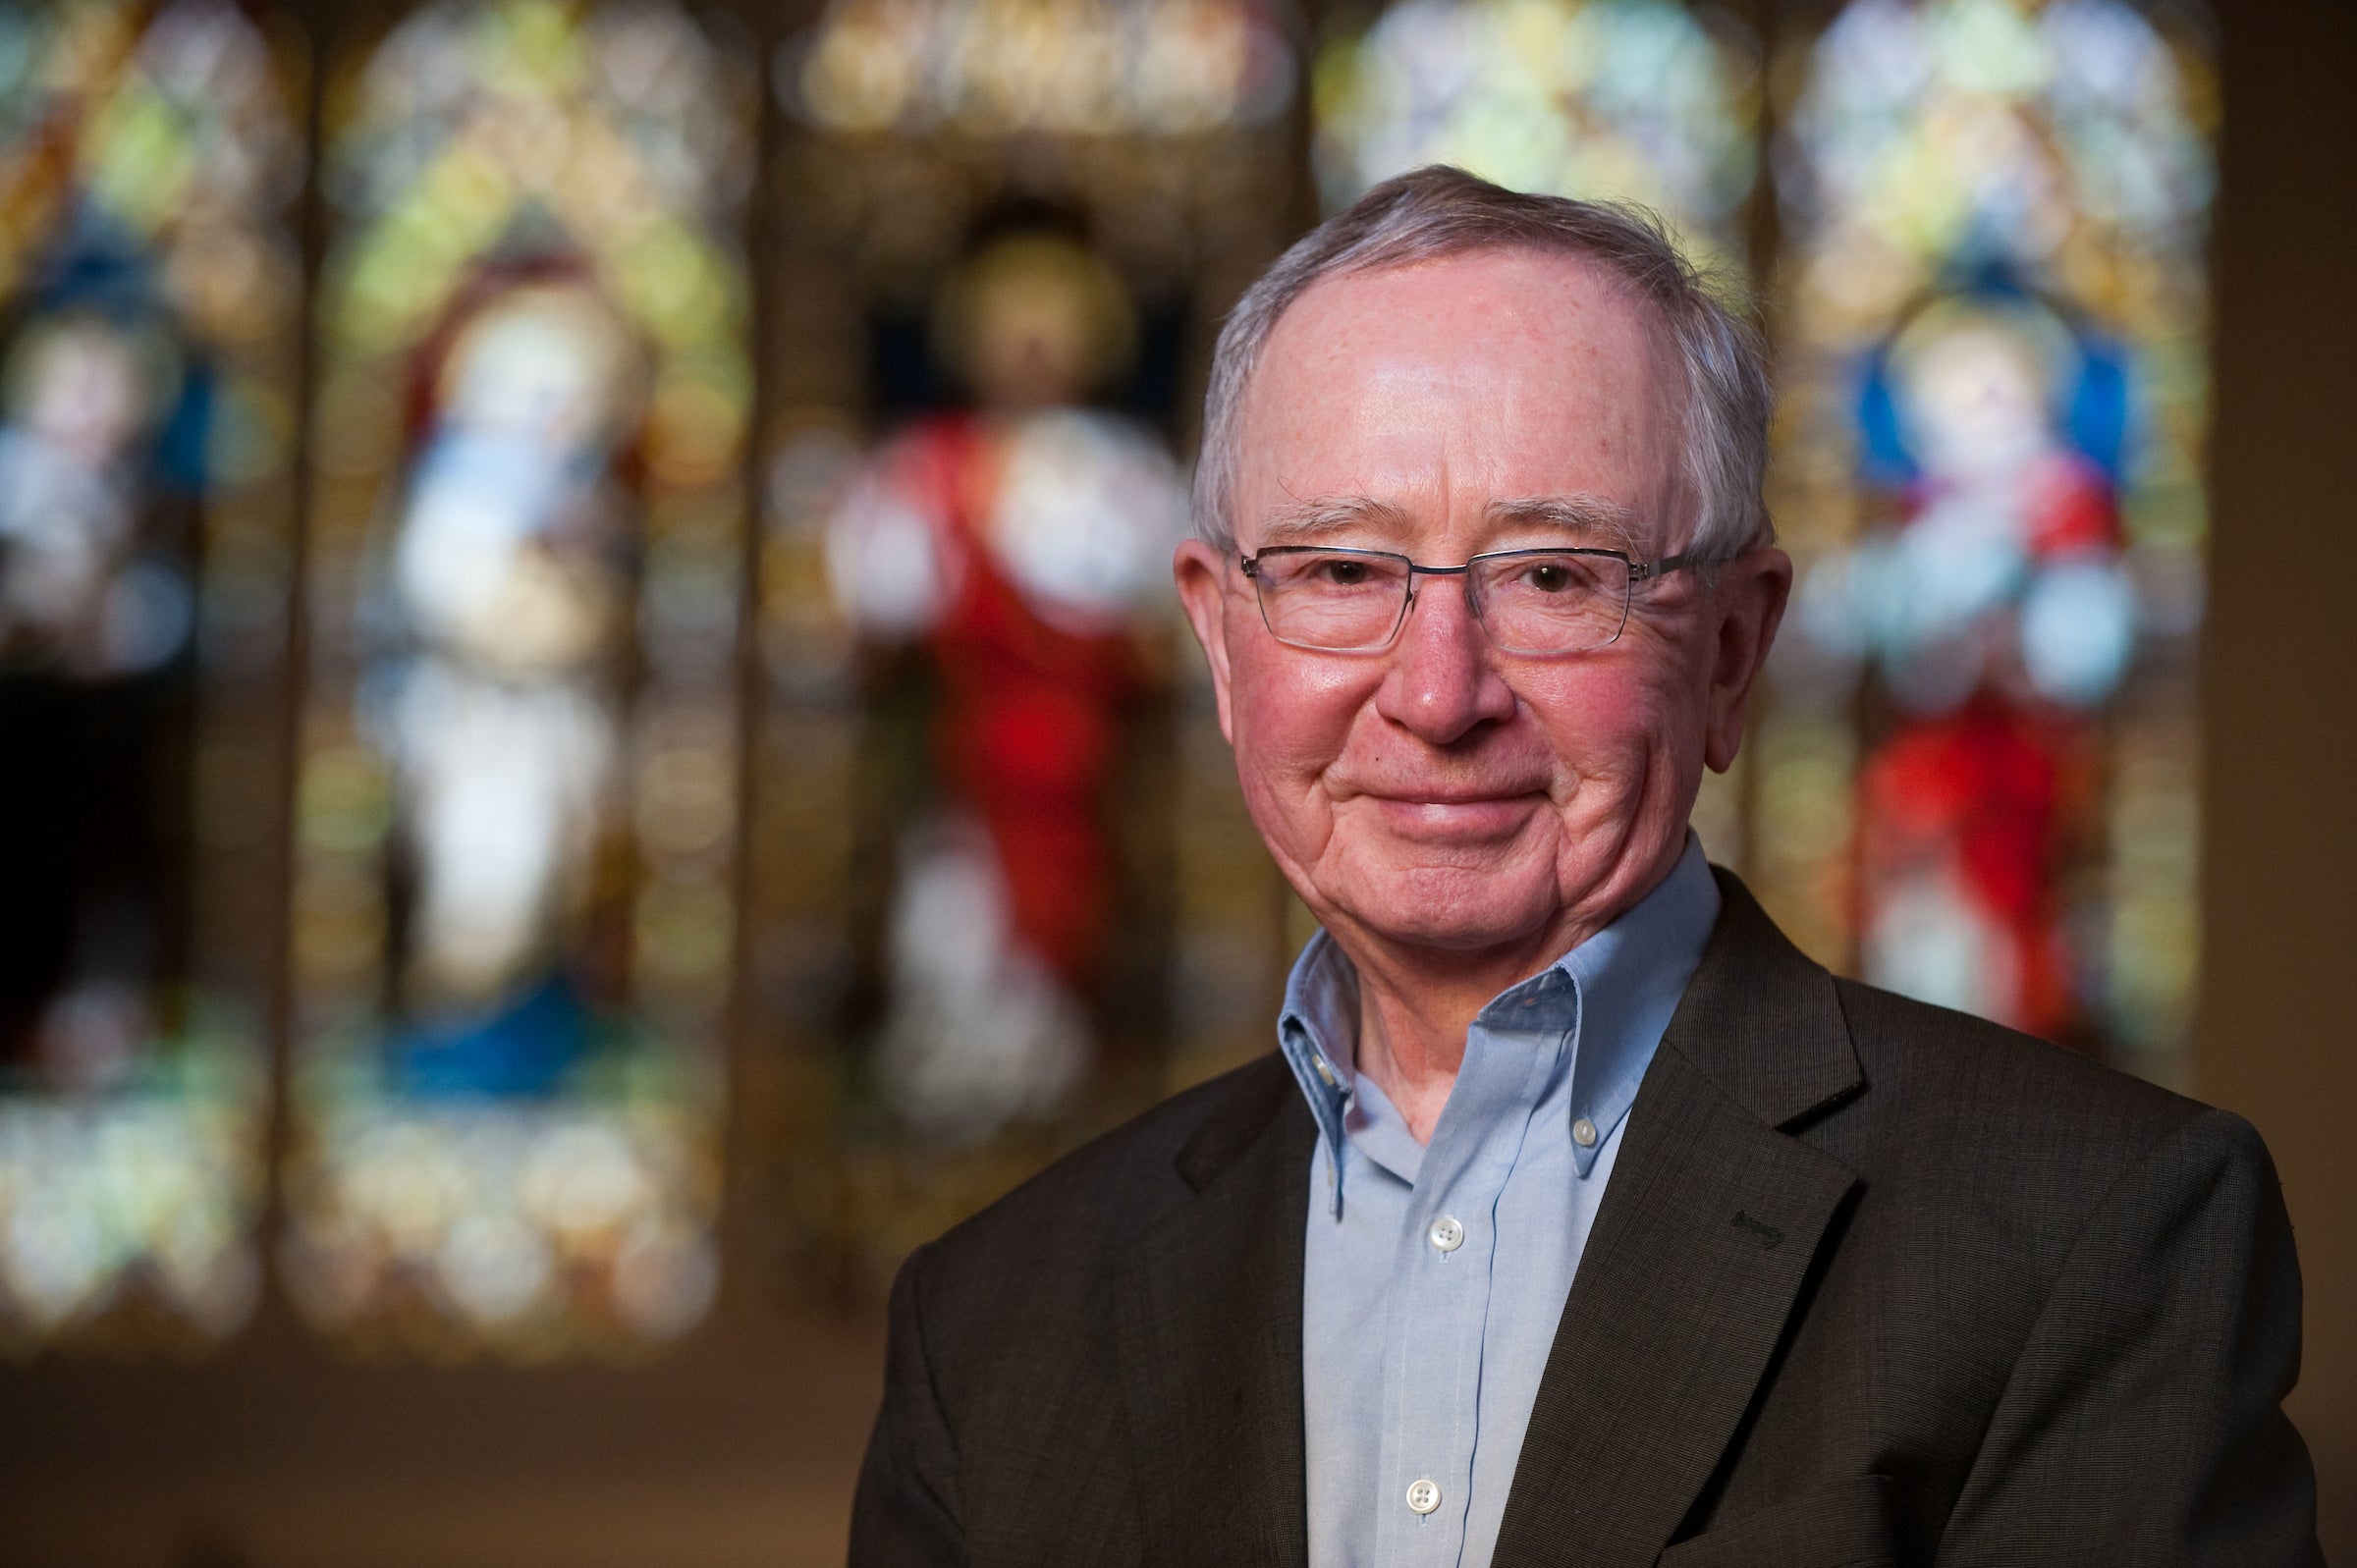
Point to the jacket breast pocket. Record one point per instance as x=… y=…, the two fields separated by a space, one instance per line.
x=1846 y=1524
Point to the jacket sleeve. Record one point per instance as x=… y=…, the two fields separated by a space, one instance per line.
x=2143 y=1422
x=905 y=1514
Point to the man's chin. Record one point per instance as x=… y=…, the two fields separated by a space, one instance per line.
x=1452 y=909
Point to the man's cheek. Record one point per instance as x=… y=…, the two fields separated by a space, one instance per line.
x=1278 y=751
x=1290 y=762
x=1292 y=726
x=1613 y=711
x=1292 y=816
x=1595 y=726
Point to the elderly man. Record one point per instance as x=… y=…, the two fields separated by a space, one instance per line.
x=1578 y=1217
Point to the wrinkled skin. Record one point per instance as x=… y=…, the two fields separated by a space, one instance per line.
x=1458 y=817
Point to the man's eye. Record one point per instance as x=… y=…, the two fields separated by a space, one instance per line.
x=1342 y=573
x=1550 y=577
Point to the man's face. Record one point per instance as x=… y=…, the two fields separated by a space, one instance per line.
x=1439 y=794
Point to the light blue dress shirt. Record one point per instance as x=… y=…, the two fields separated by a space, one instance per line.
x=1434 y=1275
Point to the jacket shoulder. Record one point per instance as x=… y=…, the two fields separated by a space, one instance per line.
x=2026 y=1135
x=1982 y=1067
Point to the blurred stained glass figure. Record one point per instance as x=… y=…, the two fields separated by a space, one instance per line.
x=505 y=576
x=1997 y=614
x=1024 y=546
x=517 y=801
x=1640 y=100
x=1990 y=479
x=146 y=160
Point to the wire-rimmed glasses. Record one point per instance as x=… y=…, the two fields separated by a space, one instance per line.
x=1554 y=601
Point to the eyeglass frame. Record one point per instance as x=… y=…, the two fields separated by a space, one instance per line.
x=1639 y=571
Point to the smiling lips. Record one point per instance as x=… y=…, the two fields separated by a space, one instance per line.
x=1455 y=814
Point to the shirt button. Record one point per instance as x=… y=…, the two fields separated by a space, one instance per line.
x=1423 y=1497
x=1447 y=1235
x=1583 y=1133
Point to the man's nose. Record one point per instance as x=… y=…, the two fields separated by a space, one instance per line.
x=1443 y=682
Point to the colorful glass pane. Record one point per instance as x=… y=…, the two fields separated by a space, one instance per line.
x=515 y=897
x=1979 y=771
x=995 y=68
x=1639 y=101
x=147 y=306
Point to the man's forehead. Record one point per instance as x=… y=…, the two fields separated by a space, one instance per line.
x=1517 y=373
x=1496 y=298
x=1522 y=334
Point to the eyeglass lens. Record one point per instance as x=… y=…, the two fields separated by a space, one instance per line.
x=1527 y=601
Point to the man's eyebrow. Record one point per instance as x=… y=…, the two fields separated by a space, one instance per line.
x=1321 y=517
x=1600 y=521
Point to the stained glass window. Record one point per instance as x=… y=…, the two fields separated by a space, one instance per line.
x=1979 y=775
x=1009 y=893
x=147 y=306
x=517 y=823
x=1642 y=100
x=998 y=887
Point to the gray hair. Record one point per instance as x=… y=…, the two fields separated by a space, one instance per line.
x=1438 y=212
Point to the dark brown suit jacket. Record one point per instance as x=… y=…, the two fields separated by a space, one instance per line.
x=1873 y=1283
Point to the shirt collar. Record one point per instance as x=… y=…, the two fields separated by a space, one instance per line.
x=1318 y=1033
x=1618 y=990
x=1629 y=978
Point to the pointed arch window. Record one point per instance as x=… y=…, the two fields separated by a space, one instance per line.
x=1978 y=780
x=1010 y=889
x=515 y=897
x=148 y=295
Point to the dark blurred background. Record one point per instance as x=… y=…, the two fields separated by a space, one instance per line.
x=592 y=744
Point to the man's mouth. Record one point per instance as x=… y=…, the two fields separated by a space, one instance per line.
x=1457 y=813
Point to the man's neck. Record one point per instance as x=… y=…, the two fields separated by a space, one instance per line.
x=1415 y=1011
x=1416 y=1006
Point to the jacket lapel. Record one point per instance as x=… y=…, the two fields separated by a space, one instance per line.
x=1208 y=1323
x=1704 y=1240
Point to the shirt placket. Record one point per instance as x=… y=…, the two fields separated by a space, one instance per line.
x=1446 y=1260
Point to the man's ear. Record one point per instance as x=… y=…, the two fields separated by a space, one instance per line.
x=1202 y=576
x=1750 y=598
